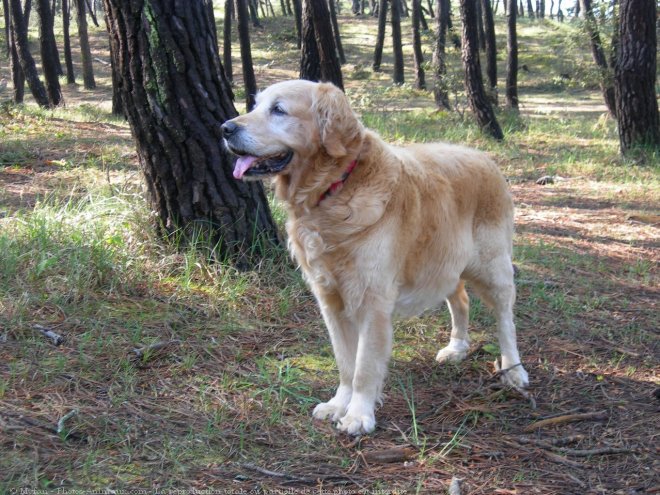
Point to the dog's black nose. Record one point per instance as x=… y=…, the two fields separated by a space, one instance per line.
x=229 y=128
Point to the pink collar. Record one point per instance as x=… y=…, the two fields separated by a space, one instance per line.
x=335 y=187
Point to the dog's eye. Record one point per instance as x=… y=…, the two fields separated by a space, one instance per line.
x=276 y=109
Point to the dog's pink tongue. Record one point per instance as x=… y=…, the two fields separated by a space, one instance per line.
x=242 y=165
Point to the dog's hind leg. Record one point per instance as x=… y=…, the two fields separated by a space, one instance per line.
x=459 y=343
x=496 y=288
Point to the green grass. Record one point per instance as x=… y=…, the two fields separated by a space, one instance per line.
x=250 y=356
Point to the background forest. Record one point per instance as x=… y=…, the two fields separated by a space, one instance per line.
x=140 y=349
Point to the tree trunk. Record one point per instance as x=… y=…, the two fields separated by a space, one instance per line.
x=440 y=91
x=474 y=85
x=176 y=98
x=420 y=82
x=396 y=42
x=335 y=31
x=252 y=7
x=68 y=58
x=297 y=11
x=310 y=64
x=249 y=80
x=512 y=57
x=480 y=26
x=226 y=41
x=49 y=55
x=28 y=66
x=380 y=37
x=5 y=10
x=491 y=49
x=635 y=76
x=325 y=43
x=530 y=9
x=606 y=75
x=85 y=50
x=17 y=76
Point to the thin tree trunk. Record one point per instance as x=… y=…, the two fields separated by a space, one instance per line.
x=420 y=82
x=226 y=43
x=598 y=54
x=17 y=76
x=396 y=42
x=335 y=31
x=85 y=50
x=28 y=66
x=635 y=76
x=380 y=37
x=5 y=10
x=530 y=9
x=474 y=86
x=440 y=91
x=49 y=55
x=512 y=57
x=491 y=49
x=68 y=58
x=249 y=79
x=251 y=5
x=176 y=98
x=297 y=11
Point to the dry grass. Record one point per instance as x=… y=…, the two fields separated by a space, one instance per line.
x=226 y=403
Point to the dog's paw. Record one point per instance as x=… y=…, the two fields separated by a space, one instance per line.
x=455 y=352
x=358 y=424
x=514 y=376
x=329 y=410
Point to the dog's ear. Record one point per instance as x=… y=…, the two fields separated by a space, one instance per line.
x=338 y=126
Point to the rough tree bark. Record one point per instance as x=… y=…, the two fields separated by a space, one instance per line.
x=420 y=80
x=68 y=58
x=28 y=66
x=380 y=37
x=511 y=91
x=635 y=75
x=176 y=98
x=325 y=43
x=598 y=54
x=249 y=80
x=85 y=51
x=226 y=41
x=474 y=85
x=491 y=49
x=17 y=76
x=310 y=65
x=396 y=42
x=440 y=90
x=49 y=55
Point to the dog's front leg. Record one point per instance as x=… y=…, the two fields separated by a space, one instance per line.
x=373 y=353
x=344 y=338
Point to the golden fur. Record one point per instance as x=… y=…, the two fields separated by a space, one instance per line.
x=407 y=229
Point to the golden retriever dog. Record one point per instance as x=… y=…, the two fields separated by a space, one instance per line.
x=380 y=231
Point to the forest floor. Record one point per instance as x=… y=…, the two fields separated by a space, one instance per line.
x=223 y=402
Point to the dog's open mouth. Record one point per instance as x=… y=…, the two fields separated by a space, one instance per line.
x=258 y=166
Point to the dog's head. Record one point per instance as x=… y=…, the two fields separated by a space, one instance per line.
x=295 y=126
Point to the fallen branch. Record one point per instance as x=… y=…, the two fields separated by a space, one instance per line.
x=387 y=456
x=64 y=419
x=548 y=444
x=600 y=451
x=560 y=459
x=148 y=350
x=56 y=338
x=455 y=486
x=567 y=418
